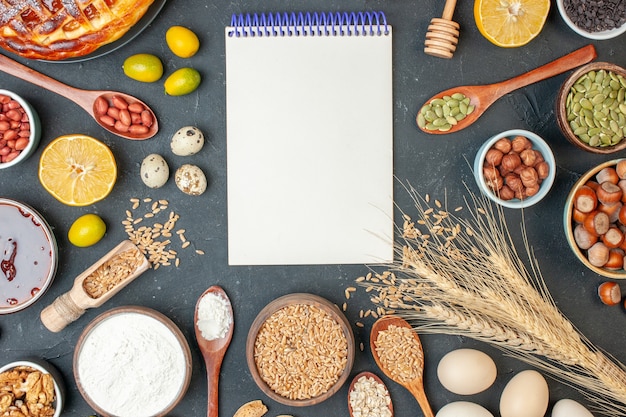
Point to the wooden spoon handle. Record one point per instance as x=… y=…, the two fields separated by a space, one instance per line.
x=213 y=376
x=418 y=392
x=84 y=98
x=572 y=60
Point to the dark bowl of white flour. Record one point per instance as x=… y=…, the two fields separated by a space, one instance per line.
x=132 y=362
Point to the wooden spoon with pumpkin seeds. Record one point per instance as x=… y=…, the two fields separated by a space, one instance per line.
x=443 y=114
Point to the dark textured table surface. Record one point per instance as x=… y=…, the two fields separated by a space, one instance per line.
x=435 y=165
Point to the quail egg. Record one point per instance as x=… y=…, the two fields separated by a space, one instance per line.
x=187 y=141
x=190 y=179
x=154 y=171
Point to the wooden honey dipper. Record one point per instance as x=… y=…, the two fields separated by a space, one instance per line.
x=443 y=34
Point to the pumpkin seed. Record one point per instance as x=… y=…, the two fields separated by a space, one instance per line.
x=443 y=113
x=421 y=120
x=596 y=108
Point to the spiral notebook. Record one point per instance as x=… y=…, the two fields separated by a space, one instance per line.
x=309 y=138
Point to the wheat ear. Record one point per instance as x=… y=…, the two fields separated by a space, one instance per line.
x=463 y=276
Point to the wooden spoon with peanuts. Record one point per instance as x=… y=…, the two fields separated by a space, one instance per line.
x=140 y=123
x=483 y=96
x=410 y=374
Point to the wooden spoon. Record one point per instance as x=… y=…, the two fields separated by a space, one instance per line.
x=483 y=96
x=84 y=98
x=356 y=379
x=71 y=305
x=415 y=386
x=213 y=351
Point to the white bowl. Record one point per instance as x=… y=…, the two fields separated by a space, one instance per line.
x=538 y=144
x=606 y=34
x=29 y=238
x=44 y=367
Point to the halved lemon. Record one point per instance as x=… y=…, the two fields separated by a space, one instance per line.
x=77 y=170
x=510 y=23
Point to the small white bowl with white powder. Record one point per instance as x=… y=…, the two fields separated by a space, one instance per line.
x=132 y=362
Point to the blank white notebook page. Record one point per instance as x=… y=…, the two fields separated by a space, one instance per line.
x=309 y=149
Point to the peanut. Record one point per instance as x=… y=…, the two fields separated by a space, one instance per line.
x=119 y=102
x=122 y=116
x=101 y=106
x=125 y=117
x=146 y=118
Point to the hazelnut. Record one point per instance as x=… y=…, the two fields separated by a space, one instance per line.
x=514 y=182
x=529 y=177
x=491 y=173
x=506 y=193
x=503 y=145
x=511 y=161
x=620 y=168
x=493 y=157
x=532 y=190
x=528 y=157
x=519 y=143
x=543 y=170
x=495 y=184
x=538 y=156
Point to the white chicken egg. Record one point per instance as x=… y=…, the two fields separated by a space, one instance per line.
x=190 y=179
x=154 y=171
x=466 y=371
x=463 y=409
x=569 y=408
x=525 y=395
x=188 y=140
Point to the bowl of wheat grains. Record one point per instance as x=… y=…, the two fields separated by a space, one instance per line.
x=300 y=349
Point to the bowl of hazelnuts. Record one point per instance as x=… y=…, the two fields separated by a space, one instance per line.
x=516 y=168
x=595 y=216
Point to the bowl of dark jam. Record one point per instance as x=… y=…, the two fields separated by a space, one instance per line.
x=28 y=256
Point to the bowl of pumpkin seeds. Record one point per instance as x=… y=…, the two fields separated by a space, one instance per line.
x=591 y=108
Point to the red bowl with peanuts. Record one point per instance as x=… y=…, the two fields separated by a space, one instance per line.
x=595 y=219
x=515 y=168
x=20 y=129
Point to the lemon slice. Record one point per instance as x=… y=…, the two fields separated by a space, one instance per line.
x=77 y=170
x=510 y=23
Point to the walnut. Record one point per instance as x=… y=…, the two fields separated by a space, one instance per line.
x=26 y=392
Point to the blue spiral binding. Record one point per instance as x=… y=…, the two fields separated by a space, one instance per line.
x=309 y=24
